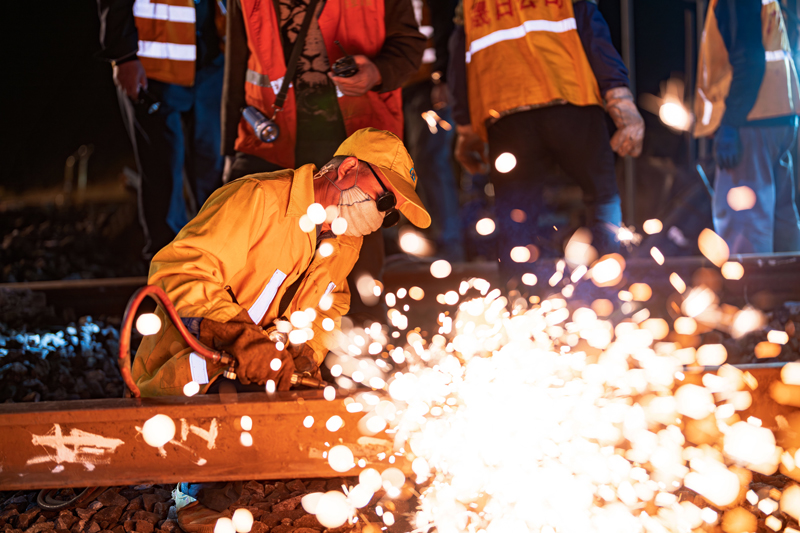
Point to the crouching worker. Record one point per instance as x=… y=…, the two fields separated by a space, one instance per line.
x=244 y=263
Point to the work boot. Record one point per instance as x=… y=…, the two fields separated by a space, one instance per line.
x=197 y=518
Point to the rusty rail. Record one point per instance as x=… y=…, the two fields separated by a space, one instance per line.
x=99 y=442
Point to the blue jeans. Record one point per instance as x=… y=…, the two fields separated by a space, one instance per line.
x=772 y=224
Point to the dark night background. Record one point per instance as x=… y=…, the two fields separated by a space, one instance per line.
x=58 y=96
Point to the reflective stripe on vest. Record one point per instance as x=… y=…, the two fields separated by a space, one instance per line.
x=262 y=80
x=171 y=51
x=559 y=26
x=148 y=10
x=523 y=54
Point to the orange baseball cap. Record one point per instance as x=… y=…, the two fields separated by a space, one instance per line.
x=386 y=151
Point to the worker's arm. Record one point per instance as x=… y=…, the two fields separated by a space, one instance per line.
x=327 y=276
x=119 y=39
x=236 y=55
x=606 y=63
x=211 y=249
x=401 y=54
x=741 y=31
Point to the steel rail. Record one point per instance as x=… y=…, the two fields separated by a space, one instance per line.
x=100 y=443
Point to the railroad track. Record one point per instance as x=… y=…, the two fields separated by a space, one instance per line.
x=100 y=442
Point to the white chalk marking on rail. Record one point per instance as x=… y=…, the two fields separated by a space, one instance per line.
x=79 y=447
x=209 y=436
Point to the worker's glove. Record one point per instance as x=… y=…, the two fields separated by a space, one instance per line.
x=728 y=147
x=304 y=359
x=471 y=151
x=249 y=344
x=627 y=141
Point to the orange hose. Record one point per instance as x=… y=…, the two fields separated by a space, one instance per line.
x=127 y=325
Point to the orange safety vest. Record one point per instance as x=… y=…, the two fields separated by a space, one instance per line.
x=167 y=46
x=359 y=26
x=524 y=54
x=779 y=92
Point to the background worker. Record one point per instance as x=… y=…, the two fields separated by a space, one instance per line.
x=747 y=96
x=432 y=146
x=172 y=50
x=539 y=74
x=243 y=263
x=320 y=109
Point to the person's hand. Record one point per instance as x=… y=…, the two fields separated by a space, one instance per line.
x=367 y=77
x=627 y=141
x=728 y=147
x=249 y=344
x=130 y=76
x=304 y=360
x=471 y=151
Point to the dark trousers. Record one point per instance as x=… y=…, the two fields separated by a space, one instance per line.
x=550 y=143
x=432 y=153
x=182 y=136
x=370 y=261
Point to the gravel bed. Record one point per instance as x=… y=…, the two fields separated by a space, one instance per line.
x=275 y=506
x=77 y=242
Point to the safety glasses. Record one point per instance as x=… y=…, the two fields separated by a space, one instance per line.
x=386 y=202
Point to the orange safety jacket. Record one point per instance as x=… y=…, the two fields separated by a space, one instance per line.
x=359 y=27
x=523 y=54
x=779 y=91
x=243 y=251
x=167 y=46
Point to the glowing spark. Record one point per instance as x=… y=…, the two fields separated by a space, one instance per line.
x=441 y=269
x=316 y=213
x=677 y=282
x=656 y=254
x=652 y=226
x=191 y=388
x=246 y=423
x=741 y=198
x=306 y=224
x=158 y=430
x=520 y=254
x=243 y=519
x=505 y=163
x=339 y=226
x=732 y=270
x=148 y=324
x=340 y=458
x=713 y=247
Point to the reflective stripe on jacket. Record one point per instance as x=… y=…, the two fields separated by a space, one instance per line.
x=522 y=54
x=359 y=27
x=246 y=246
x=779 y=91
x=167 y=45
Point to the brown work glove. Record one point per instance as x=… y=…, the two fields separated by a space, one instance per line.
x=304 y=360
x=471 y=151
x=627 y=141
x=249 y=344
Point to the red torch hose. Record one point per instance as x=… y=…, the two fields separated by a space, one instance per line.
x=127 y=325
